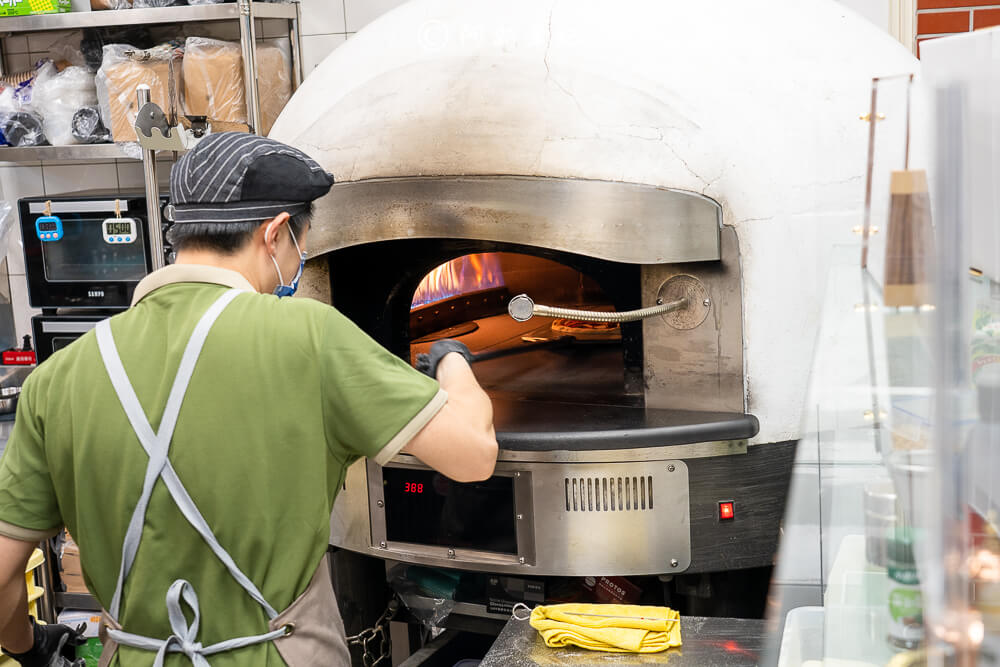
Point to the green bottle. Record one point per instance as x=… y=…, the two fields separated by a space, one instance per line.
x=906 y=609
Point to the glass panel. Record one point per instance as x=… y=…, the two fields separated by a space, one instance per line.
x=902 y=440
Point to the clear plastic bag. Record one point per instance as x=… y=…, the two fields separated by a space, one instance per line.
x=88 y=128
x=123 y=69
x=140 y=4
x=213 y=80
x=20 y=125
x=7 y=222
x=274 y=80
x=58 y=97
x=68 y=50
x=205 y=2
x=97 y=5
x=426 y=592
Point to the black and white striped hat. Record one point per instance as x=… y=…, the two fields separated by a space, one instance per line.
x=239 y=177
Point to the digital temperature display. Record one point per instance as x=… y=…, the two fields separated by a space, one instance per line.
x=425 y=507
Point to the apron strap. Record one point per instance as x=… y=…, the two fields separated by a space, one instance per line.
x=157 y=447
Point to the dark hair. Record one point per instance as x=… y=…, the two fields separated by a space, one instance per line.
x=226 y=238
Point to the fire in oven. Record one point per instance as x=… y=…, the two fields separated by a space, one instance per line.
x=618 y=404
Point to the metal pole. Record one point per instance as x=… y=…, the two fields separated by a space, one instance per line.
x=866 y=228
x=294 y=33
x=153 y=229
x=248 y=42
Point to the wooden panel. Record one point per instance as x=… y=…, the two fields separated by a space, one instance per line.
x=757 y=483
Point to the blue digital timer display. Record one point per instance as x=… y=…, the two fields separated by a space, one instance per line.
x=49 y=228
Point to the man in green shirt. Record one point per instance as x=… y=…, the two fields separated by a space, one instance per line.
x=203 y=531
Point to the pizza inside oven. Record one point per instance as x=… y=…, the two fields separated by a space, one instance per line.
x=587 y=330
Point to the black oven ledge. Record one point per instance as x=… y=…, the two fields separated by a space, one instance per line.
x=549 y=426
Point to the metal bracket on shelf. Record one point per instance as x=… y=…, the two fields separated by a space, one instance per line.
x=155 y=134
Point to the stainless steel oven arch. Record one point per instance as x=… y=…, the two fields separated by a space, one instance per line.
x=614 y=221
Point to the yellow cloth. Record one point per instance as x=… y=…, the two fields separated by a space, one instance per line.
x=620 y=628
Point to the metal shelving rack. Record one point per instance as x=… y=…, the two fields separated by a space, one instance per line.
x=246 y=12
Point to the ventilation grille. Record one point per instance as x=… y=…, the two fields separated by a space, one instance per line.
x=609 y=494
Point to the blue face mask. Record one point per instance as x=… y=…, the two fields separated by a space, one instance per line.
x=288 y=290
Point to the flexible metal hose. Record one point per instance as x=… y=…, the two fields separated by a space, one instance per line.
x=522 y=308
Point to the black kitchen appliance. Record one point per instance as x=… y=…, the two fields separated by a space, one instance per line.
x=85 y=250
x=54 y=332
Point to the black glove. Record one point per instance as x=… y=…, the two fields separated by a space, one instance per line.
x=428 y=363
x=55 y=646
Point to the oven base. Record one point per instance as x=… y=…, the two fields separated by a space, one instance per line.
x=682 y=532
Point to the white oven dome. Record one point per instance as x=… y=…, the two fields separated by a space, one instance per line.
x=754 y=104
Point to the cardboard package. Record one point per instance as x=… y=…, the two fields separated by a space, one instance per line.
x=69 y=565
x=118 y=79
x=213 y=81
x=31 y=7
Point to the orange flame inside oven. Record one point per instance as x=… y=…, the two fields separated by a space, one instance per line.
x=470 y=273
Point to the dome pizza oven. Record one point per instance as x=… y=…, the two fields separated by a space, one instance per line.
x=624 y=213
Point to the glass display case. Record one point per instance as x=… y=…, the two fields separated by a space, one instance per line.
x=899 y=460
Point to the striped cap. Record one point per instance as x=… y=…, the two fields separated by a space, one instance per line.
x=239 y=177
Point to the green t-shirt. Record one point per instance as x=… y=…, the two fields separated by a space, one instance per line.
x=286 y=395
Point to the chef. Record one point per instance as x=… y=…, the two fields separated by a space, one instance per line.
x=194 y=445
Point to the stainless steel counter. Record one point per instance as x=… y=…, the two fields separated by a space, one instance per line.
x=720 y=642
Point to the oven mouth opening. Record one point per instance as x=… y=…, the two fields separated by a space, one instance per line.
x=549 y=393
x=549 y=359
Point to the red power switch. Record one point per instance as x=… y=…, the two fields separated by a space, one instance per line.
x=726 y=510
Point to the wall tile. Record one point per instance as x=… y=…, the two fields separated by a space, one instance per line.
x=19 y=304
x=21 y=181
x=62 y=179
x=130 y=174
x=317 y=47
x=272 y=28
x=15 y=44
x=18 y=62
x=322 y=17
x=359 y=13
x=15 y=251
x=41 y=41
x=225 y=30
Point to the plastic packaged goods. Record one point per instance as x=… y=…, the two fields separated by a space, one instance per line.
x=88 y=127
x=274 y=80
x=67 y=51
x=58 y=97
x=110 y=4
x=141 y=4
x=213 y=80
x=20 y=125
x=95 y=39
x=123 y=69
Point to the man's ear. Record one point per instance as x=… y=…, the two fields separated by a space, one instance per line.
x=271 y=230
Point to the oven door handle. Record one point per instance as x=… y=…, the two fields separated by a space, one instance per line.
x=522 y=308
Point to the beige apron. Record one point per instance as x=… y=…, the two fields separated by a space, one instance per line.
x=309 y=632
